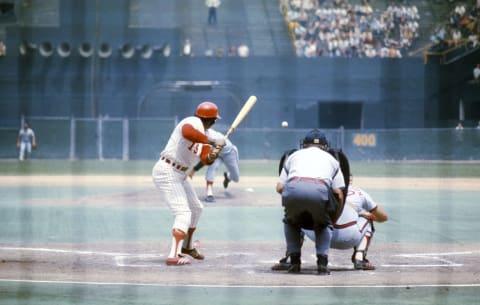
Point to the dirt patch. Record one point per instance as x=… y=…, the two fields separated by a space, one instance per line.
x=246 y=182
x=240 y=263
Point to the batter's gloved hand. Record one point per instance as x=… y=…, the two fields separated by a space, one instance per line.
x=214 y=153
x=221 y=142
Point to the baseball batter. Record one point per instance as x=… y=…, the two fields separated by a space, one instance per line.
x=187 y=143
x=311 y=184
x=26 y=140
x=229 y=157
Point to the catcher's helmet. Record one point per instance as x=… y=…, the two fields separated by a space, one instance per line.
x=207 y=110
x=316 y=137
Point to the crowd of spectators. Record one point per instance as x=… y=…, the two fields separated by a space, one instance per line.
x=338 y=28
x=461 y=28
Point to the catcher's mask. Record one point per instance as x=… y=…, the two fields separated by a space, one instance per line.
x=314 y=137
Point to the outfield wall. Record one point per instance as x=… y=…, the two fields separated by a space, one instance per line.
x=143 y=139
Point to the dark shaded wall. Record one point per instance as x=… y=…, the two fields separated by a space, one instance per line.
x=381 y=93
x=391 y=92
x=447 y=85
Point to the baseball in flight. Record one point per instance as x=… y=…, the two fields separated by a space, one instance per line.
x=284 y=124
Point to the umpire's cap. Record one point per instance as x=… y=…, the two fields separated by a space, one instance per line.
x=315 y=137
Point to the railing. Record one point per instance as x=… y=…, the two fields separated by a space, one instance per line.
x=446 y=55
x=143 y=139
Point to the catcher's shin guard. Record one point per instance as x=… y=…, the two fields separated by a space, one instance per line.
x=359 y=257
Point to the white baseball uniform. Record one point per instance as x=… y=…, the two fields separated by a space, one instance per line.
x=26 y=137
x=350 y=228
x=170 y=177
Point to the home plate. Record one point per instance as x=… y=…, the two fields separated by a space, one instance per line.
x=249 y=189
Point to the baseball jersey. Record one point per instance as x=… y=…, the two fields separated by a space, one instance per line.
x=26 y=136
x=357 y=200
x=181 y=150
x=313 y=162
x=360 y=199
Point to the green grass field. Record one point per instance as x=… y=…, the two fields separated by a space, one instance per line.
x=247 y=167
x=52 y=216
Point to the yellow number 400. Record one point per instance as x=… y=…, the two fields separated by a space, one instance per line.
x=365 y=139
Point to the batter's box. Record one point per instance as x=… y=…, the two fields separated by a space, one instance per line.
x=140 y=261
x=427 y=260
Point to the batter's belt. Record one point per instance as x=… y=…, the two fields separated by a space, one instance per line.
x=175 y=165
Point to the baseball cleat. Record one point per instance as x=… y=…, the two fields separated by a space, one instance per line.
x=193 y=253
x=180 y=260
x=226 y=181
x=210 y=198
x=363 y=265
x=281 y=266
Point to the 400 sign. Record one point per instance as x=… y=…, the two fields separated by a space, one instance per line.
x=365 y=139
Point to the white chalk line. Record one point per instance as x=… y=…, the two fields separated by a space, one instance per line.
x=436 y=257
x=122 y=259
x=87 y=283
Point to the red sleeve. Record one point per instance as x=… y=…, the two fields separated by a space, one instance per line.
x=204 y=154
x=190 y=133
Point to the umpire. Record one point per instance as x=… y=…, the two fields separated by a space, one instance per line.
x=311 y=185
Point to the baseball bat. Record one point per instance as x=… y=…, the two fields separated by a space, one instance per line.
x=242 y=114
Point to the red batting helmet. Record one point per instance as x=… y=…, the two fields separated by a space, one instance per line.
x=207 y=110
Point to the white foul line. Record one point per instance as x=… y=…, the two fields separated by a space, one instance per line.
x=121 y=258
x=62 y=251
x=431 y=256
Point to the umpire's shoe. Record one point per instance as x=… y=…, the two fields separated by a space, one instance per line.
x=295 y=263
x=322 y=264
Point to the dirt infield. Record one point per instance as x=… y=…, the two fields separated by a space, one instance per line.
x=239 y=264
x=231 y=263
x=246 y=181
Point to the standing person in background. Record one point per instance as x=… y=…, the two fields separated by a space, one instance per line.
x=26 y=140
x=212 y=10
x=187 y=143
x=229 y=157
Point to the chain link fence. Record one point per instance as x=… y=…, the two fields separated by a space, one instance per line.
x=143 y=139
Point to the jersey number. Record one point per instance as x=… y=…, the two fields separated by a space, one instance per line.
x=194 y=148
